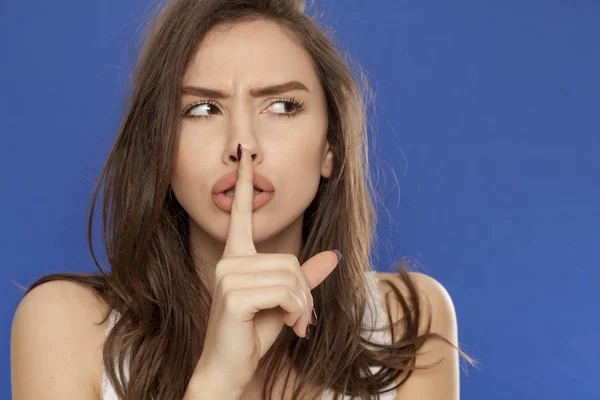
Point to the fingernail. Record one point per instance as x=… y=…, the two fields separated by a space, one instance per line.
x=239 y=151
x=313 y=319
x=307 y=332
x=338 y=254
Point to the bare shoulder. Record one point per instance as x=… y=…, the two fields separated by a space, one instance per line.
x=435 y=300
x=56 y=342
x=441 y=379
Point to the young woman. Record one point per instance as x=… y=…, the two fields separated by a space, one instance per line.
x=238 y=180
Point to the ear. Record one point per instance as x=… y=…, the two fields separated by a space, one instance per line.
x=327 y=165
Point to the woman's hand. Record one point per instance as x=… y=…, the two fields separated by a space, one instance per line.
x=255 y=295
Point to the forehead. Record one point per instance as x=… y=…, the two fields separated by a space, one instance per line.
x=253 y=53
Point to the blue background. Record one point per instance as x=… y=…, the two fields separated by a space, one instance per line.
x=487 y=116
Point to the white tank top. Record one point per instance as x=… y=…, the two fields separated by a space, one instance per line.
x=377 y=320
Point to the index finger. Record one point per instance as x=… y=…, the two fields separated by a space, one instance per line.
x=239 y=237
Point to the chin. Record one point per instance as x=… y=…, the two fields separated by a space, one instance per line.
x=217 y=227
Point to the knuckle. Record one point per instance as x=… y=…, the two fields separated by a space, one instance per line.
x=309 y=304
x=230 y=301
x=226 y=284
x=289 y=279
x=303 y=296
x=297 y=302
x=220 y=263
x=282 y=291
x=220 y=269
x=293 y=260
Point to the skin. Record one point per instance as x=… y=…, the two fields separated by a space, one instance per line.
x=55 y=344
x=251 y=55
x=255 y=294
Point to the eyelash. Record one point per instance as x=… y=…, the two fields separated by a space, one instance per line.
x=291 y=100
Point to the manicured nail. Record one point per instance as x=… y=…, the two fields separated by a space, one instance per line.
x=338 y=254
x=307 y=332
x=313 y=319
x=239 y=151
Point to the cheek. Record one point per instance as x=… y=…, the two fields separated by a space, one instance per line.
x=301 y=174
x=189 y=168
x=182 y=168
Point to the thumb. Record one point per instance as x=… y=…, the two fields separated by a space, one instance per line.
x=318 y=267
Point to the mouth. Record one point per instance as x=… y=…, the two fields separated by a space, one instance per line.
x=227 y=182
x=231 y=192
x=224 y=191
x=224 y=200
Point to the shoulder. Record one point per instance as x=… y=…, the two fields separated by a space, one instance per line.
x=56 y=342
x=436 y=303
x=440 y=380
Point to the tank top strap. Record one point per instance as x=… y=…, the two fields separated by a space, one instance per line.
x=373 y=317
x=108 y=391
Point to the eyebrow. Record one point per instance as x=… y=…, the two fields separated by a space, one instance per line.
x=260 y=92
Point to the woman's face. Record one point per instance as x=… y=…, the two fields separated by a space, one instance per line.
x=287 y=141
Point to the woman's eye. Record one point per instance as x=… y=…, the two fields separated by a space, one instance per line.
x=200 y=110
x=281 y=108
x=284 y=107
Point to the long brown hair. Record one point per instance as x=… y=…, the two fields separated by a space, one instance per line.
x=153 y=283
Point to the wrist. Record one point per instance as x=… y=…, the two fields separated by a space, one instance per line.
x=207 y=384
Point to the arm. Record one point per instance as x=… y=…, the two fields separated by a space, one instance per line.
x=440 y=381
x=51 y=352
x=205 y=385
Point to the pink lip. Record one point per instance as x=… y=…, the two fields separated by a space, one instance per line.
x=228 y=181
x=226 y=202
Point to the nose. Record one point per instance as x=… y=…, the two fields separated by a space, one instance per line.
x=231 y=154
x=241 y=129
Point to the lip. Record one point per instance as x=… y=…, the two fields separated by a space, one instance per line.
x=228 y=181
x=226 y=202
